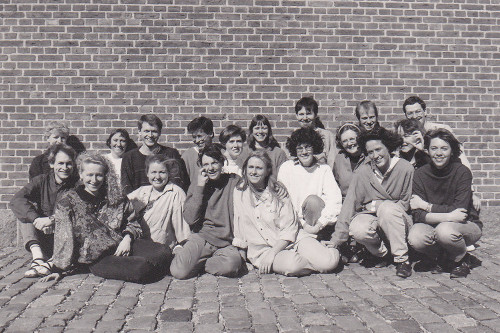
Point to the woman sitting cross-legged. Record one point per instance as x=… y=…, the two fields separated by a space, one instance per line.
x=265 y=224
x=446 y=221
x=97 y=227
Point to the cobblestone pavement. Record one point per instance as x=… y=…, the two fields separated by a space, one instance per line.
x=355 y=300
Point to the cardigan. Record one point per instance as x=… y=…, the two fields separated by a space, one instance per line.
x=343 y=172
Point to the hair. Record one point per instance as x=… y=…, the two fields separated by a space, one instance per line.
x=389 y=139
x=230 y=131
x=271 y=183
x=123 y=133
x=270 y=141
x=412 y=100
x=365 y=105
x=447 y=136
x=151 y=119
x=212 y=150
x=201 y=123
x=92 y=158
x=341 y=130
x=305 y=135
x=171 y=164
x=56 y=126
x=308 y=103
x=409 y=126
x=61 y=147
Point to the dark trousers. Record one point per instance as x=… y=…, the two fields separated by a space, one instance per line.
x=148 y=262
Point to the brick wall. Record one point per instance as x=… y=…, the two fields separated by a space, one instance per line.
x=99 y=66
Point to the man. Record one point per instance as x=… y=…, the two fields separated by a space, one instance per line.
x=133 y=170
x=202 y=131
x=378 y=202
x=414 y=108
x=367 y=114
x=34 y=205
x=209 y=203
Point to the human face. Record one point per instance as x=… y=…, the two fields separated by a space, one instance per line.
x=415 y=111
x=158 y=176
x=118 y=145
x=440 y=152
x=201 y=139
x=93 y=177
x=211 y=166
x=306 y=118
x=379 y=154
x=56 y=136
x=257 y=172
x=305 y=154
x=260 y=133
x=149 y=134
x=234 y=146
x=63 y=167
x=367 y=118
x=350 y=143
x=411 y=140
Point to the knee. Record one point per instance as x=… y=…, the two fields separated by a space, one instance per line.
x=391 y=211
x=360 y=231
x=446 y=233
x=328 y=261
x=418 y=238
x=223 y=265
x=311 y=208
x=178 y=271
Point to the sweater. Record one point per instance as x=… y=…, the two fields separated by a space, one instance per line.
x=278 y=157
x=40 y=165
x=365 y=188
x=133 y=170
x=446 y=189
x=343 y=171
x=212 y=207
x=190 y=158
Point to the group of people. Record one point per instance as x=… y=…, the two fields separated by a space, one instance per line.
x=366 y=194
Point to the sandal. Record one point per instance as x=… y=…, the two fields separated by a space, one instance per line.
x=32 y=272
x=44 y=268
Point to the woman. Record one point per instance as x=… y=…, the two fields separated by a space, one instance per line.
x=118 y=142
x=96 y=226
x=446 y=221
x=232 y=138
x=412 y=148
x=350 y=156
x=265 y=225
x=261 y=137
x=315 y=194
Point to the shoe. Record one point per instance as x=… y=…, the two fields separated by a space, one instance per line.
x=403 y=269
x=461 y=269
x=438 y=268
x=39 y=267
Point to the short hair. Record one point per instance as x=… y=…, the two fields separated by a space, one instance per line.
x=92 y=158
x=124 y=133
x=212 y=150
x=409 y=126
x=389 y=139
x=270 y=141
x=171 y=164
x=341 y=130
x=56 y=126
x=201 y=123
x=230 y=131
x=308 y=103
x=444 y=135
x=412 y=100
x=365 y=105
x=151 y=119
x=60 y=147
x=305 y=135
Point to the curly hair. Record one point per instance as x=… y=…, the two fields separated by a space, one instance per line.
x=389 y=139
x=444 y=135
x=305 y=135
x=270 y=141
x=230 y=131
x=412 y=100
x=212 y=150
x=124 y=133
x=341 y=130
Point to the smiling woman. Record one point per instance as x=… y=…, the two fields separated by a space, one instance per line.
x=118 y=142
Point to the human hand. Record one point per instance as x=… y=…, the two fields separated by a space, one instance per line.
x=52 y=276
x=371 y=207
x=281 y=191
x=458 y=215
x=417 y=202
x=312 y=229
x=418 y=141
x=266 y=265
x=329 y=244
x=202 y=177
x=476 y=202
x=45 y=224
x=123 y=248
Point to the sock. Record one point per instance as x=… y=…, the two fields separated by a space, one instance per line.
x=36 y=251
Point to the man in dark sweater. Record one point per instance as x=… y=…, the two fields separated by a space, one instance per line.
x=209 y=202
x=133 y=170
x=34 y=204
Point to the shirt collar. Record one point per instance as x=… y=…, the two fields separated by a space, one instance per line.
x=379 y=174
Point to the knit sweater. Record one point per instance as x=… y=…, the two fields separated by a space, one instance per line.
x=190 y=158
x=212 y=207
x=365 y=188
x=446 y=189
x=343 y=171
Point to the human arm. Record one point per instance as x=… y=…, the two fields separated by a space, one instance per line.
x=463 y=194
x=194 y=207
x=266 y=265
x=130 y=224
x=181 y=228
x=332 y=197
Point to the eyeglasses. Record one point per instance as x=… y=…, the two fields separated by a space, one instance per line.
x=305 y=148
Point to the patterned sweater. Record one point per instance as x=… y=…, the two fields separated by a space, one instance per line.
x=88 y=226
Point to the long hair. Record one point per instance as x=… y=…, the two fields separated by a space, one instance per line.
x=271 y=183
x=270 y=141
